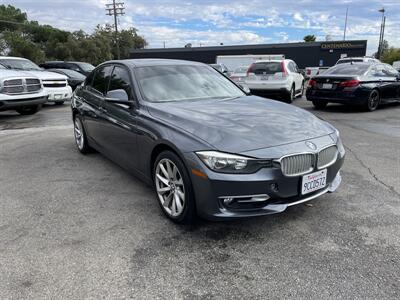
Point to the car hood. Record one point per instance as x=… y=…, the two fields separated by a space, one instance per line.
x=7 y=73
x=45 y=75
x=241 y=124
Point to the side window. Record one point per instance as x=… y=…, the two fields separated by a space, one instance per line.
x=72 y=67
x=101 y=79
x=120 y=80
x=291 y=67
x=377 y=71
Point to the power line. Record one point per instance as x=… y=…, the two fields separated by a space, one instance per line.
x=116 y=9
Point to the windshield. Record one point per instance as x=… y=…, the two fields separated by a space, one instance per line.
x=177 y=83
x=20 y=64
x=86 y=67
x=69 y=73
x=348 y=69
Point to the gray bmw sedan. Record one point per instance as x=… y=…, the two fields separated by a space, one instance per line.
x=206 y=146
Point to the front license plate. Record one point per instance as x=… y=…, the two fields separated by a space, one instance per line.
x=313 y=182
x=327 y=86
x=57 y=96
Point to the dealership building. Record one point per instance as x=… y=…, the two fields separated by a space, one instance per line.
x=309 y=54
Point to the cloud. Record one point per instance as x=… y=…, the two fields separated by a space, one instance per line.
x=211 y=22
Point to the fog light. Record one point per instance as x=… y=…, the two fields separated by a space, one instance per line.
x=228 y=201
x=274 y=187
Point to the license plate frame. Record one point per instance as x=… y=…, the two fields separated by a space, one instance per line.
x=313 y=181
x=327 y=86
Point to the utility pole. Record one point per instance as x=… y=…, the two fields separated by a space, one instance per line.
x=116 y=9
x=345 y=24
x=382 y=10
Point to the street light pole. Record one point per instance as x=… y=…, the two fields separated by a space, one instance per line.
x=345 y=24
x=115 y=9
x=380 y=50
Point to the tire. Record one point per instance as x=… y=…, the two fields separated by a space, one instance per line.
x=291 y=95
x=302 y=89
x=59 y=103
x=173 y=188
x=28 y=110
x=80 y=136
x=319 y=104
x=373 y=101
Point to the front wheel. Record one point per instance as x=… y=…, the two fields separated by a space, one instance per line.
x=174 y=188
x=80 y=136
x=373 y=101
x=319 y=104
x=29 y=110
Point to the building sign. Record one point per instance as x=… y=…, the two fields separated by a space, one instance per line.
x=342 y=45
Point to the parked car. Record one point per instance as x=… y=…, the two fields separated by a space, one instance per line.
x=232 y=62
x=74 y=78
x=362 y=84
x=271 y=78
x=396 y=65
x=221 y=68
x=313 y=71
x=55 y=85
x=239 y=74
x=365 y=59
x=81 y=67
x=205 y=146
x=21 y=92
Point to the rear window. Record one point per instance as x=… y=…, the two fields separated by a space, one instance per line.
x=348 y=69
x=263 y=68
x=346 y=61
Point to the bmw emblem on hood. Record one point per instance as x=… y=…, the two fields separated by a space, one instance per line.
x=311 y=145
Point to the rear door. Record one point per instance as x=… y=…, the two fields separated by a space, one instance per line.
x=298 y=78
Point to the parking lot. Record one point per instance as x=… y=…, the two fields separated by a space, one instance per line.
x=75 y=227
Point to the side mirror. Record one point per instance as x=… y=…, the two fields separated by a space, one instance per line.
x=118 y=96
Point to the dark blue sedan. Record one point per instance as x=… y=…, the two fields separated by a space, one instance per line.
x=364 y=84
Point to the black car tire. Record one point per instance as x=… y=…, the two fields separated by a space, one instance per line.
x=319 y=104
x=188 y=215
x=291 y=95
x=373 y=101
x=59 y=103
x=84 y=148
x=29 y=110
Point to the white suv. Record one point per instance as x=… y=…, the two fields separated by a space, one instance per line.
x=56 y=85
x=367 y=59
x=275 y=78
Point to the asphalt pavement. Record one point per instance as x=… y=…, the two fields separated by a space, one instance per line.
x=80 y=227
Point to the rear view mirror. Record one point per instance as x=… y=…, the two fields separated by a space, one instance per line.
x=119 y=96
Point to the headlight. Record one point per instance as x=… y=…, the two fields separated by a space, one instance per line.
x=231 y=163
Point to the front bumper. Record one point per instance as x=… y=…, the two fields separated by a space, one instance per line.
x=282 y=191
x=15 y=104
x=59 y=94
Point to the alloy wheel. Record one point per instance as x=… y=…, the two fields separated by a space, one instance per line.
x=170 y=187
x=373 y=100
x=78 y=132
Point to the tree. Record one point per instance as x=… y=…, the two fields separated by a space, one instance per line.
x=29 y=39
x=309 y=38
x=390 y=55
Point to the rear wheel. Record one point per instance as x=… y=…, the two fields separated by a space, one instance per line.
x=292 y=94
x=29 y=110
x=373 y=101
x=174 y=188
x=319 y=104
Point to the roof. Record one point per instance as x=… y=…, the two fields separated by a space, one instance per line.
x=244 y=47
x=12 y=57
x=144 y=62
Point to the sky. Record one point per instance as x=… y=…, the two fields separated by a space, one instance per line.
x=231 y=22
